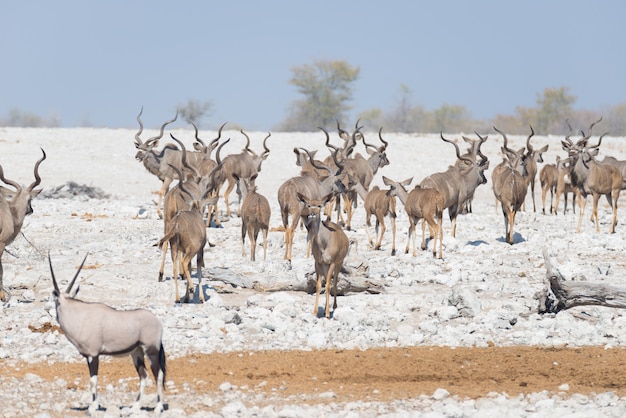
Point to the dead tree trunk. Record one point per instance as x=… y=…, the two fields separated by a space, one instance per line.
x=560 y=294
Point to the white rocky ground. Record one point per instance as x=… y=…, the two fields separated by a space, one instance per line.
x=120 y=233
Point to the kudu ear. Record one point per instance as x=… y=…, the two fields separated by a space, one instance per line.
x=301 y=197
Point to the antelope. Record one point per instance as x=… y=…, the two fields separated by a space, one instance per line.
x=180 y=198
x=364 y=170
x=243 y=165
x=329 y=245
x=549 y=178
x=379 y=203
x=15 y=205
x=533 y=156
x=457 y=183
x=255 y=215
x=471 y=153
x=564 y=186
x=510 y=157
x=424 y=204
x=186 y=235
x=158 y=163
x=510 y=187
x=591 y=177
x=97 y=329
x=308 y=185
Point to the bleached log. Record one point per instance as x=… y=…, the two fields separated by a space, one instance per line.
x=347 y=284
x=560 y=294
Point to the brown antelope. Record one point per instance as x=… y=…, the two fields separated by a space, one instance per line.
x=186 y=235
x=158 y=162
x=308 y=185
x=549 y=178
x=533 y=156
x=15 y=205
x=97 y=329
x=510 y=187
x=329 y=245
x=591 y=177
x=457 y=183
x=424 y=204
x=180 y=198
x=243 y=165
x=564 y=186
x=364 y=170
x=255 y=215
x=379 y=203
x=471 y=153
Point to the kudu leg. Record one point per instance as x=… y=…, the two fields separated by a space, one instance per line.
x=329 y=280
x=393 y=234
x=3 y=295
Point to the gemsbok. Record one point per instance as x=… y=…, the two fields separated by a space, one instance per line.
x=97 y=329
x=15 y=205
x=329 y=246
x=591 y=177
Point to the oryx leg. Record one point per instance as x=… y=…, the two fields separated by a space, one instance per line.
x=140 y=366
x=156 y=358
x=93 y=363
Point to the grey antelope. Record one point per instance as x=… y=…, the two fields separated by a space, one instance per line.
x=564 y=185
x=456 y=184
x=591 y=177
x=424 y=204
x=380 y=203
x=255 y=215
x=158 y=162
x=510 y=156
x=15 y=205
x=533 y=156
x=243 y=165
x=309 y=185
x=186 y=235
x=329 y=245
x=510 y=187
x=471 y=153
x=97 y=329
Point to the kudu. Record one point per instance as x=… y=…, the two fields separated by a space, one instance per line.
x=510 y=156
x=380 y=203
x=158 y=162
x=308 y=185
x=186 y=235
x=564 y=186
x=243 y=165
x=457 y=183
x=424 y=204
x=471 y=153
x=329 y=246
x=549 y=178
x=533 y=156
x=255 y=215
x=591 y=177
x=191 y=190
x=15 y=205
x=510 y=187
x=97 y=329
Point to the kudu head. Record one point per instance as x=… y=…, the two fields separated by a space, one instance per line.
x=532 y=153
x=479 y=166
x=581 y=151
x=378 y=152
x=20 y=198
x=143 y=147
x=257 y=158
x=56 y=293
x=201 y=147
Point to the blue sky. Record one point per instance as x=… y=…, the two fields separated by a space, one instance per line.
x=99 y=62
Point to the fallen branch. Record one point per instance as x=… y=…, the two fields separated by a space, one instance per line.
x=560 y=294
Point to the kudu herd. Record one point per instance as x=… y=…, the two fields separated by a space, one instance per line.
x=306 y=198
